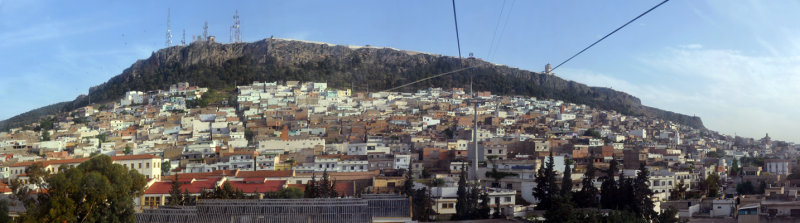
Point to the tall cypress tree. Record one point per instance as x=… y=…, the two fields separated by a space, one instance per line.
x=546 y=186
x=311 y=187
x=474 y=205
x=408 y=185
x=462 y=199
x=608 y=190
x=175 y=196
x=566 y=181
x=325 y=185
x=625 y=197
x=643 y=194
x=587 y=197
x=483 y=211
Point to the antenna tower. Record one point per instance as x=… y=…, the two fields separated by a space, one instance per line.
x=235 y=32
x=183 y=40
x=205 y=31
x=169 y=30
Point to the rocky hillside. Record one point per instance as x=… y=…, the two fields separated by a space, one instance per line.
x=217 y=65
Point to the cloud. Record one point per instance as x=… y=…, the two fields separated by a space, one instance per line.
x=52 y=30
x=693 y=46
x=733 y=92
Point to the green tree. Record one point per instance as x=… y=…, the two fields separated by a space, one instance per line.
x=101 y=137
x=175 y=197
x=679 y=191
x=187 y=198
x=127 y=150
x=4 y=218
x=546 y=186
x=327 y=187
x=226 y=191
x=285 y=193
x=734 y=167
x=566 y=182
x=745 y=188
x=484 y=209
x=408 y=184
x=248 y=134
x=110 y=199
x=560 y=211
x=45 y=135
x=712 y=185
x=422 y=205
x=587 y=196
x=643 y=194
x=593 y=133
x=714 y=154
x=462 y=197
x=166 y=166
x=312 y=189
x=626 y=200
x=608 y=189
x=668 y=215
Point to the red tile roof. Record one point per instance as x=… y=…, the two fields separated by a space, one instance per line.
x=267 y=186
x=345 y=188
x=195 y=187
x=4 y=188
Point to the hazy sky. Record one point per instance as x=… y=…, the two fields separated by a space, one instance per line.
x=734 y=64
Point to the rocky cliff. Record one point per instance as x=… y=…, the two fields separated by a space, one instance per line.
x=217 y=65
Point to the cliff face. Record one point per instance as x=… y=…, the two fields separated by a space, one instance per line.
x=363 y=69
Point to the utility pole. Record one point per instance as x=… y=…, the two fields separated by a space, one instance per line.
x=475 y=142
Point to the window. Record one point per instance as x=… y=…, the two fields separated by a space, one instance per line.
x=490 y=151
x=140 y=165
x=508 y=199
x=390 y=184
x=147 y=165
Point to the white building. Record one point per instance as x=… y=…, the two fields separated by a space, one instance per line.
x=132 y=97
x=777 y=166
x=641 y=133
x=291 y=145
x=365 y=148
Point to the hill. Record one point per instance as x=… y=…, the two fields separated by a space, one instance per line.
x=217 y=66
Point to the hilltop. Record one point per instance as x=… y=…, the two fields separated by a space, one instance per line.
x=219 y=66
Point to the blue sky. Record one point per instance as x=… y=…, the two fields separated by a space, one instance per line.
x=736 y=65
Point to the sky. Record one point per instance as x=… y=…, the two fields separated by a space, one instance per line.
x=735 y=65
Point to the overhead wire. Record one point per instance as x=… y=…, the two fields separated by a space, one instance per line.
x=455 y=18
x=496 y=27
x=505 y=25
x=458 y=41
x=427 y=78
x=609 y=34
